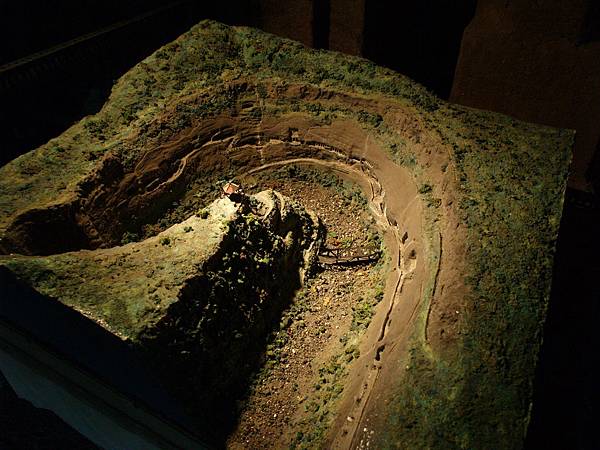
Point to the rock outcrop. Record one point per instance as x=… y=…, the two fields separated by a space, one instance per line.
x=196 y=300
x=470 y=201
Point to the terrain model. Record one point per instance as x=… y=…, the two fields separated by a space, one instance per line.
x=307 y=250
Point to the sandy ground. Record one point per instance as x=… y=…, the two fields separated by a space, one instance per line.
x=317 y=327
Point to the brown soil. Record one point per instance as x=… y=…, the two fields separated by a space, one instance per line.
x=445 y=184
x=392 y=198
x=317 y=329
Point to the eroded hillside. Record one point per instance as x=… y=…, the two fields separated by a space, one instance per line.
x=467 y=203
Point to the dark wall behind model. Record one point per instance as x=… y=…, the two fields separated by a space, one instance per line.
x=59 y=59
x=420 y=39
x=539 y=62
x=31 y=26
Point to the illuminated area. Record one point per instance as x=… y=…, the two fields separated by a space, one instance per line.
x=303 y=248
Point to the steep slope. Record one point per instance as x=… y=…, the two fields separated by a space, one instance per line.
x=196 y=300
x=470 y=203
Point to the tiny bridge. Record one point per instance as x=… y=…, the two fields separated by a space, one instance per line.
x=347 y=256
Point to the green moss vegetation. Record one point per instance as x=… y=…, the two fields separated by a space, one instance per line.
x=210 y=54
x=199 y=300
x=129 y=237
x=321 y=404
x=508 y=177
x=511 y=192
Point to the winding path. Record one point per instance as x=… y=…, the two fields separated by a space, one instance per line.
x=401 y=268
x=397 y=209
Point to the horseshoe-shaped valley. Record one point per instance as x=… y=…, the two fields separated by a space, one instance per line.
x=301 y=248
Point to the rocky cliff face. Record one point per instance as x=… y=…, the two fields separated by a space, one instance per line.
x=469 y=202
x=197 y=299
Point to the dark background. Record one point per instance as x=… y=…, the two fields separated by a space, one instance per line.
x=453 y=47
